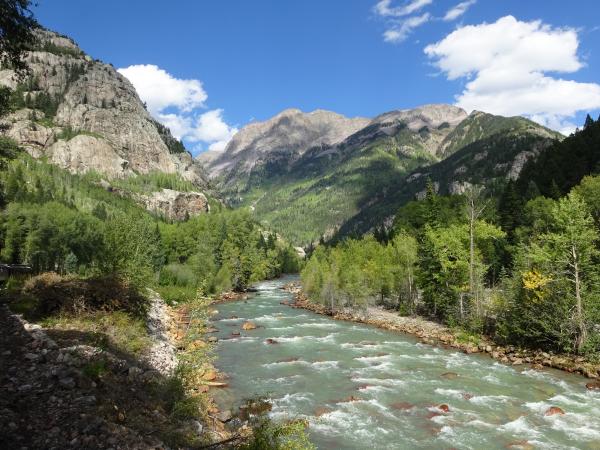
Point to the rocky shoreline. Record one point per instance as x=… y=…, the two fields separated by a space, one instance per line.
x=436 y=334
x=62 y=391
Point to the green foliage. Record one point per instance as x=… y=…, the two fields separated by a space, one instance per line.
x=16 y=28
x=68 y=133
x=50 y=47
x=270 y=435
x=174 y=145
x=153 y=182
x=555 y=284
x=358 y=273
x=66 y=223
x=562 y=166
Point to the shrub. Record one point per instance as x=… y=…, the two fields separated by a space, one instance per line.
x=55 y=293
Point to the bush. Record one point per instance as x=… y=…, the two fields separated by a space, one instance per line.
x=178 y=275
x=65 y=294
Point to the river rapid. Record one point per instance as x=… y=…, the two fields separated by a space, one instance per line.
x=396 y=382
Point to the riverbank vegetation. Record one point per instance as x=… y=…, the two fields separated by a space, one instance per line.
x=522 y=267
x=57 y=221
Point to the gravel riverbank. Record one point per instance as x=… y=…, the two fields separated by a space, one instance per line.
x=436 y=334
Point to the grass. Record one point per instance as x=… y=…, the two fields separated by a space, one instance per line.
x=176 y=294
x=69 y=133
x=117 y=330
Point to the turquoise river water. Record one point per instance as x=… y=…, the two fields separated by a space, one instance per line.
x=397 y=383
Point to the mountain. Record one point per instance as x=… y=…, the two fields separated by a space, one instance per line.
x=306 y=188
x=275 y=144
x=484 y=150
x=82 y=115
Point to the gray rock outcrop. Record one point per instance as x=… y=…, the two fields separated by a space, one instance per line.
x=83 y=115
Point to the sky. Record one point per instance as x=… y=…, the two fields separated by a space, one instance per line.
x=208 y=68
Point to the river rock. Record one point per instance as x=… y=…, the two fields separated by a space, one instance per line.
x=444 y=407
x=554 y=410
x=322 y=410
x=209 y=375
x=402 y=406
x=212 y=339
x=593 y=386
x=271 y=341
x=449 y=375
x=248 y=326
x=225 y=416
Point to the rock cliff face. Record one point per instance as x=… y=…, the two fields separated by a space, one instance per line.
x=278 y=142
x=175 y=205
x=83 y=115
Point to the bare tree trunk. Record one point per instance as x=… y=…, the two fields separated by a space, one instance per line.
x=582 y=332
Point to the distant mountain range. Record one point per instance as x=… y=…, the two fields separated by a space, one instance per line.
x=306 y=175
x=320 y=173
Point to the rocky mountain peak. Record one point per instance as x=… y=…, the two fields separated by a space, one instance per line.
x=288 y=135
x=433 y=116
x=83 y=115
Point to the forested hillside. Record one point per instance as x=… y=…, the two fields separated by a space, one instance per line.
x=521 y=265
x=57 y=221
x=348 y=187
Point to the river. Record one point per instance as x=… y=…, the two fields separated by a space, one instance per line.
x=397 y=384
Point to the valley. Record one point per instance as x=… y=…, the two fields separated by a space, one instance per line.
x=416 y=277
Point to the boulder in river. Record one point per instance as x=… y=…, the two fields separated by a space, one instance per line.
x=593 y=385
x=248 y=326
x=322 y=410
x=271 y=341
x=404 y=406
x=554 y=410
x=449 y=375
x=444 y=408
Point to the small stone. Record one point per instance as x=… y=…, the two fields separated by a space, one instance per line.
x=248 y=326
x=225 y=416
x=593 y=386
x=209 y=375
x=554 y=410
x=198 y=428
x=67 y=383
x=31 y=356
x=212 y=339
x=443 y=407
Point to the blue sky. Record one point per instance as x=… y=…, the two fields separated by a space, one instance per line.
x=207 y=68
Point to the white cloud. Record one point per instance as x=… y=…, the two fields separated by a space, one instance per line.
x=176 y=102
x=512 y=67
x=458 y=10
x=399 y=26
x=383 y=7
x=400 y=31
x=161 y=90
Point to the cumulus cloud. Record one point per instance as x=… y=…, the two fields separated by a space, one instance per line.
x=177 y=104
x=161 y=90
x=512 y=69
x=458 y=10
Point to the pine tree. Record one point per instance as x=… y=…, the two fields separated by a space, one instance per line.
x=588 y=122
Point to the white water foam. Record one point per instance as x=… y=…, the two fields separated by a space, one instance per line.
x=520 y=427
